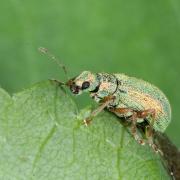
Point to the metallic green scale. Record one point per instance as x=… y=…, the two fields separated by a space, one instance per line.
x=129 y=92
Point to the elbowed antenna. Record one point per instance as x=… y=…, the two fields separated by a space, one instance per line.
x=50 y=55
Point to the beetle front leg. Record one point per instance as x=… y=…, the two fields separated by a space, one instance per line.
x=148 y=129
x=104 y=103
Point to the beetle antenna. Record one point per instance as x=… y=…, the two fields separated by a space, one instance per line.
x=51 y=56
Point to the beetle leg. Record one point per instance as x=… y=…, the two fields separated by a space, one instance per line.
x=149 y=136
x=149 y=130
x=134 y=129
x=121 y=111
x=149 y=112
x=104 y=103
x=133 y=119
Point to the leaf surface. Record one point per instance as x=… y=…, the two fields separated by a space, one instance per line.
x=42 y=137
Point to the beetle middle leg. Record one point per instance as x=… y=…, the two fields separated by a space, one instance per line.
x=149 y=132
x=133 y=116
x=149 y=128
x=144 y=114
x=104 y=103
x=134 y=129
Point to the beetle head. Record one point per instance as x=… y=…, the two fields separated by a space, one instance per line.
x=86 y=81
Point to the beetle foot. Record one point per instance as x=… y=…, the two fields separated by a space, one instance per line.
x=139 y=140
x=156 y=149
x=87 y=121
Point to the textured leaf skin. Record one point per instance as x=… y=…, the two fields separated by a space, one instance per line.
x=42 y=137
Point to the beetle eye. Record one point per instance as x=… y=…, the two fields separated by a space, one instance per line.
x=85 y=85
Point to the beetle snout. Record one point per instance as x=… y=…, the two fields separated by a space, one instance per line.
x=74 y=88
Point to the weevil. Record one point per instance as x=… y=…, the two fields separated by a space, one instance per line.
x=139 y=102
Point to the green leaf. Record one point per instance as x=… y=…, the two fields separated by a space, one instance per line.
x=42 y=137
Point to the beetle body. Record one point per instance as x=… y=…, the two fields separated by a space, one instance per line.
x=139 y=102
x=128 y=92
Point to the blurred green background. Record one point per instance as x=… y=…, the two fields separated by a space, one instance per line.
x=139 y=38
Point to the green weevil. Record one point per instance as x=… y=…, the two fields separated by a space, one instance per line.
x=128 y=97
x=139 y=102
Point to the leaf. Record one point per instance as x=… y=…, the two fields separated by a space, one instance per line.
x=42 y=137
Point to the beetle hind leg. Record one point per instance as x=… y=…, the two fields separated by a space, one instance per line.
x=150 y=141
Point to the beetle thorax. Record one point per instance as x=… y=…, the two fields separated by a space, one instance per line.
x=107 y=86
